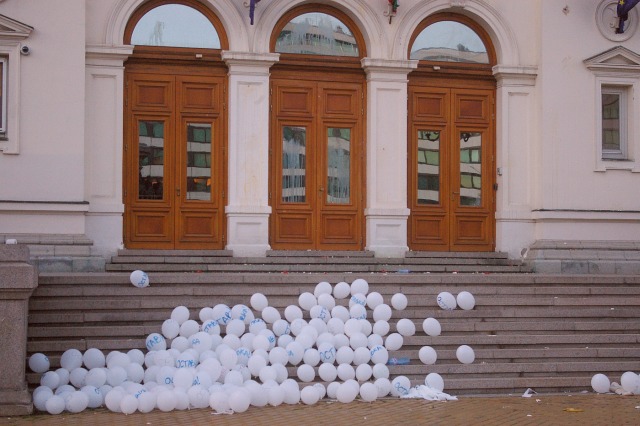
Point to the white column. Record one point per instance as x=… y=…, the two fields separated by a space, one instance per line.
x=387 y=212
x=103 y=145
x=517 y=157
x=248 y=207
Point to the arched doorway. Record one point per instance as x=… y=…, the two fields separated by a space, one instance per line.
x=451 y=139
x=317 y=132
x=175 y=128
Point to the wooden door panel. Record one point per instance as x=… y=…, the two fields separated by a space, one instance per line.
x=432 y=106
x=151 y=226
x=200 y=95
x=152 y=93
x=294 y=100
x=472 y=107
x=294 y=228
x=429 y=232
x=338 y=229
x=339 y=102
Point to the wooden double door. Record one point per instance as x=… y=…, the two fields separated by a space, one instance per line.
x=174 y=161
x=451 y=168
x=316 y=154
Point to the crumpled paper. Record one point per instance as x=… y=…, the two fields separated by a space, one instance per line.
x=430 y=394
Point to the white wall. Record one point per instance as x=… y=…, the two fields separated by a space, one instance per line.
x=50 y=163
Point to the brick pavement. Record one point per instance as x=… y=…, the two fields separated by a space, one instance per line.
x=580 y=409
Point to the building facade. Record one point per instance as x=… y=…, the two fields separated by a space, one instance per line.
x=444 y=125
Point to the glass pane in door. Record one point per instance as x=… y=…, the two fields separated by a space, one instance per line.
x=150 y=160
x=294 y=159
x=198 y=161
x=338 y=165
x=470 y=169
x=428 y=167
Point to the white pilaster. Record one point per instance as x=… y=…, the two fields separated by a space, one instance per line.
x=517 y=156
x=387 y=213
x=248 y=207
x=103 y=144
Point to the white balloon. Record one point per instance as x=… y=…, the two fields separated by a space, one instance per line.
x=320 y=312
x=629 y=381
x=50 y=379
x=243 y=313
x=276 y=396
x=211 y=327
x=40 y=396
x=70 y=359
x=394 y=342
x=399 y=301
x=341 y=290
x=361 y=355
x=327 y=352
x=346 y=372
x=268 y=373
x=379 y=354
x=180 y=314
x=139 y=279
x=332 y=389
x=358 y=340
x=335 y=326
x=183 y=378
x=359 y=285
x=292 y=312
x=600 y=383
x=374 y=299
x=382 y=313
x=77 y=376
x=380 y=370
x=55 y=405
x=202 y=341
x=364 y=372
x=384 y=386
x=327 y=301
x=307 y=301
x=322 y=391
x=63 y=374
x=368 y=392
x=427 y=355
x=466 y=300
x=281 y=327
x=257 y=325
x=352 y=326
x=374 y=340
x=465 y=354
x=198 y=396
x=128 y=404
x=255 y=364
x=358 y=312
x=296 y=352
x=434 y=381
x=406 y=327
x=165 y=401
x=306 y=373
x=311 y=357
x=297 y=325
x=116 y=375
x=219 y=402
x=77 y=402
x=156 y=342
x=340 y=312
x=39 y=363
x=400 y=386
x=112 y=399
x=381 y=328
x=322 y=288
x=258 y=302
x=344 y=355
x=327 y=372
x=222 y=313
x=236 y=327
x=205 y=314
x=309 y=395
x=446 y=301
x=270 y=314
x=340 y=340
x=239 y=400
x=346 y=393
x=431 y=327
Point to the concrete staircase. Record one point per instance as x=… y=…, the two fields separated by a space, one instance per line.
x=222 y=261
x=546 y=332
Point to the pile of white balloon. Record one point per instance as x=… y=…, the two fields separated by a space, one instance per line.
x=629 y=384
x=234 y=358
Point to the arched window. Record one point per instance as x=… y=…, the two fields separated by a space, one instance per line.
x=174 y=24
x=309 y=31
x=451 y=38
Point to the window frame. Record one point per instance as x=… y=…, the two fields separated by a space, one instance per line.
x=624 y=95
x=3 y=100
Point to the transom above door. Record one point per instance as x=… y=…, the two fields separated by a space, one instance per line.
x=316 y=173
x=451 y=158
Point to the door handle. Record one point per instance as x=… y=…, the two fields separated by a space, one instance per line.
x=321 y=189
x=178 y=192
x=453 y=195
